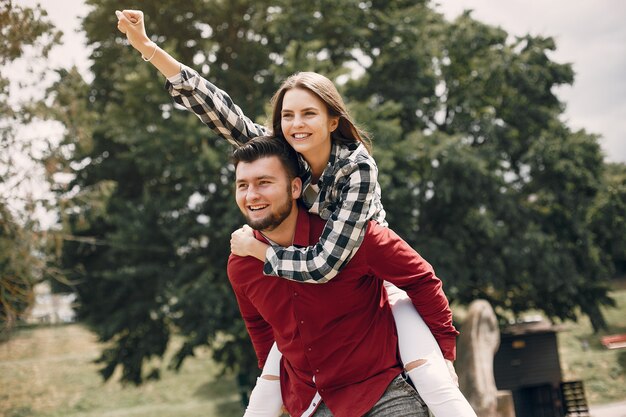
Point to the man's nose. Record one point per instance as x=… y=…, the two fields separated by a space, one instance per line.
x=252 y=193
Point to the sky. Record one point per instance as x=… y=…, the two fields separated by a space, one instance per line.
x=591 y=35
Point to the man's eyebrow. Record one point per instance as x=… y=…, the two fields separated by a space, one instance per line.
x=260 y=177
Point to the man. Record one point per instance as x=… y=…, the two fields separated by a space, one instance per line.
x=338 y=340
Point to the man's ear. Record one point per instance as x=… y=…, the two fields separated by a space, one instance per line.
x=296 y=188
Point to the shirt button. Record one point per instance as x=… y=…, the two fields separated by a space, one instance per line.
x=301 y=321
x=295 y=294
x=322 y=390
x=317 y=370
x=309 y=349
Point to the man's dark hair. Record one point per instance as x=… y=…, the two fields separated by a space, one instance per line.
x=264 y=146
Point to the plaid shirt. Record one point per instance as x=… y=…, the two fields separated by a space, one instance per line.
x=349 y=193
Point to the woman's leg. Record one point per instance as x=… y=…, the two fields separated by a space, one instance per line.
x=265 y=399
x=424 y=361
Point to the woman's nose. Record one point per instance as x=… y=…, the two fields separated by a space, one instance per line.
x=298 y=121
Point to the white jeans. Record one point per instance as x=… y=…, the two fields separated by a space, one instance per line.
x=415 y=342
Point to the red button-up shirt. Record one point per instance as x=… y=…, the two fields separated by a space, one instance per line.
x=339 y=338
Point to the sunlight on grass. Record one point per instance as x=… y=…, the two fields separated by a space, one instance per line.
x=49 y=372
x=583 y=356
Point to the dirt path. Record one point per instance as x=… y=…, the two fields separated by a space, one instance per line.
x=609 y=410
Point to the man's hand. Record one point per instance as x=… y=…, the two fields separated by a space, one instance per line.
x=455 y=377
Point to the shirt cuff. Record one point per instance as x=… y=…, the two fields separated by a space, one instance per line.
x=174 y=79
x=268 y=268
x=448 y=348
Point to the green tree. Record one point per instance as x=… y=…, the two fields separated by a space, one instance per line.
x=21 y=29
x=16 y=275
x=477 y=171
x=608 y=218
x=498 y=191
x=149 y=213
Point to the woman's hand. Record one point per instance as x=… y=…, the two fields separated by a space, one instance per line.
x=131 y=23
x=243 y=243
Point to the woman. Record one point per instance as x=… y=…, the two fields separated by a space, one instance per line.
x=340 y=184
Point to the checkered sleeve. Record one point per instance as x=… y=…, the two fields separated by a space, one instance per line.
x=342 y=234
x=214 y=107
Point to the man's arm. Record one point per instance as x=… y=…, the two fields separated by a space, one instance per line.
x=260 y=331
x=393 y=260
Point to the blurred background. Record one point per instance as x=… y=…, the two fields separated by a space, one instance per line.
x=498 y=129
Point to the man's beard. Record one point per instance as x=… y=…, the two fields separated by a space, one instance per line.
x=272 y=221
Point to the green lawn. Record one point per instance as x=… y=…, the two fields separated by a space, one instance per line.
x=584 y=358
x=49 y=372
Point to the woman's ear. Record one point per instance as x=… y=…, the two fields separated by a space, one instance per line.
x=334 y=123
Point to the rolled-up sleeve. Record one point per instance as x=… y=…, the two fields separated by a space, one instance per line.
x=214 y=107
x=342 y=234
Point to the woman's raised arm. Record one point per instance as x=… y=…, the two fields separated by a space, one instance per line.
x=131 y=23
x=213 y=106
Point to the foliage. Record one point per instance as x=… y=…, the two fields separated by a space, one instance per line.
x=477 y=170
x=16 y=280
x=22 y=29
x=498 y=190
x=24 y=32
x=583 y=357
x=608 y=218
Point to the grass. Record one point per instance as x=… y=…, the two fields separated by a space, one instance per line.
x=583 y=357
x=49 y=372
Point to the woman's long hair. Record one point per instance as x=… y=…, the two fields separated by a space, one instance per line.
x=347 y=131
